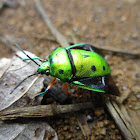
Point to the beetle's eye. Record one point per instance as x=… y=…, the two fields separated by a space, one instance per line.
x=47 y=72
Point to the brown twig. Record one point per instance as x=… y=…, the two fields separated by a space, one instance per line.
x=126 y=119
x=59 y=37
x=117 y=51
x=118 y=120
x=104 y=48
x=43 y=110
x=82 y=121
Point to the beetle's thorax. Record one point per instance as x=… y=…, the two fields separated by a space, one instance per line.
x=60 y=66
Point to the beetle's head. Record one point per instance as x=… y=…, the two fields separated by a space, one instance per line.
x=44 y=68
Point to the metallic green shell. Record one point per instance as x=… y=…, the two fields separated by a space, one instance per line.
x=78 y=66
x=89 y=64
x=60 y=66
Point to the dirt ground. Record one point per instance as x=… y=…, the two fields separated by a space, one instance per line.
x=111 y=24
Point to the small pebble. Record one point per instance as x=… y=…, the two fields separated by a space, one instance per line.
x=124 y=87
x=130 y=106
x=117 y=84
x=77 y=128
x=72 y=90
x=89 y=118
x=138 y=96
x=106 y=57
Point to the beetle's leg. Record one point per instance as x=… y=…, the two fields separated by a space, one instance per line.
x=47 y=89
x=50 y=85
x=66 y=88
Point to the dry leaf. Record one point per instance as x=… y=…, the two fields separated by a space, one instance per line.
x=35 y=130
x=17 y=71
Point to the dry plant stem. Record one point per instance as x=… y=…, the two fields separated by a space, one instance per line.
x=126 y=119
x=112 y=110
x=91 y=125
x=82 y=121
x=43 y=110
x=118 y=120
x=104 y=48
x=59 y=37
x=44 y=38
x=122 y=52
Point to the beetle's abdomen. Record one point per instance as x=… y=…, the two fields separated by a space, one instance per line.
x=89 y=64
x=60 y=66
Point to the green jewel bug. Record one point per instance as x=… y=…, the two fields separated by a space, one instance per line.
x=79 y=65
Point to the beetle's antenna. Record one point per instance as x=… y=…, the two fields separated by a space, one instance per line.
x=23 y=52
x=22 y=82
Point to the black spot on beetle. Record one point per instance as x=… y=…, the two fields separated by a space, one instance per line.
x=103 y=67
x=93 y=68
x=56 y=54
x=85 y=55
x=61 y=71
